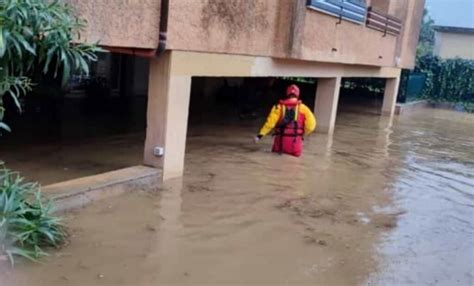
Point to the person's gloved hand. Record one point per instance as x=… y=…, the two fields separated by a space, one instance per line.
x=258 y=138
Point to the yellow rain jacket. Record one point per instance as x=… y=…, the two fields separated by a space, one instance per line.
x=278 y=112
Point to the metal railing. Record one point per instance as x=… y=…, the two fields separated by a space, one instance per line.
x=357 y=12
x=383 y=22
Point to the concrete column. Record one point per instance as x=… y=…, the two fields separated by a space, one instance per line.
x=390 y=96
x=167 y=117
x=327 y=97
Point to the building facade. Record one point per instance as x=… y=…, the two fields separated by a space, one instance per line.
x=323 y=39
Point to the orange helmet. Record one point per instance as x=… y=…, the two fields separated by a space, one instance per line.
x=293 y=90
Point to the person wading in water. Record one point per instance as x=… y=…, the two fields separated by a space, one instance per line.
x=291 y=120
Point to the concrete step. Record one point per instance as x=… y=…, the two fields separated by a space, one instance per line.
x=80 y=192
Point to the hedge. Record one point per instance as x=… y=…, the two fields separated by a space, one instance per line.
x=450 y=80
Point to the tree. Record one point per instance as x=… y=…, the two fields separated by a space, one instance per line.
x=38 y=36
x=426 y=40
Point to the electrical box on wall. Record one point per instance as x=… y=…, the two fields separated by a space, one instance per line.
x=159 y=151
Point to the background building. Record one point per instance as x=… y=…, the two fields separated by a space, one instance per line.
x=454 y=42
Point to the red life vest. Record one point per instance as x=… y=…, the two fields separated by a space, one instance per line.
x=290 y=128
x=291 y=121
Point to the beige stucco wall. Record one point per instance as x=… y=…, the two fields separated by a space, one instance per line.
x=347 y=42
x=120 y=23
x=218 y=64
x=257 y=27
x=287 y=29
x=380 y=5
x=452 y=45
x=271 y=28
x=406 y=46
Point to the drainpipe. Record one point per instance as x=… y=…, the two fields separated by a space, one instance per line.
x=163 y=27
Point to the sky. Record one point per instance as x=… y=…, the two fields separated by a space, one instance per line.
x=456 y=13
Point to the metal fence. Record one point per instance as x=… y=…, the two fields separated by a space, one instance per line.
x=411 y=86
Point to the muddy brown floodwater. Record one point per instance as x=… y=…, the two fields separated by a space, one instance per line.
x=374 y=205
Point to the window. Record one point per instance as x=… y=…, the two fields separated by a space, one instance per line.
x=351 y=10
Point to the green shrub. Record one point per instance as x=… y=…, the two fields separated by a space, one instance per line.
x=450 y=80
x=27 y=224
x=39 y=37
x=469 y=107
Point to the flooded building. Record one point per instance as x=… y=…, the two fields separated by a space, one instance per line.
x=179 y=89
x=161 y=50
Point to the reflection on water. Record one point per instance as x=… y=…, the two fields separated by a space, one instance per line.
x=379 y=203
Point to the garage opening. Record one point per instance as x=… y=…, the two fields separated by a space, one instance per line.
x=226 y=113
x=239 y=102
x=93 y=125
x=361 y=95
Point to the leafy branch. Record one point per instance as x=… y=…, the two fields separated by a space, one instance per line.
x=39 y=36
x=27 y=223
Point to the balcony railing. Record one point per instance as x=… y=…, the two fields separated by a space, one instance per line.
x=383 y=22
